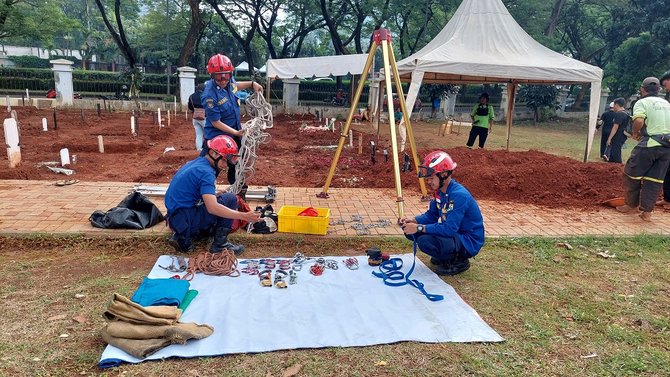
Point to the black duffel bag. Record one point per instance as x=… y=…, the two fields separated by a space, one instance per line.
x=135 y=211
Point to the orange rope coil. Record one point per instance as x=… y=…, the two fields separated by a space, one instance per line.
x=217 y=264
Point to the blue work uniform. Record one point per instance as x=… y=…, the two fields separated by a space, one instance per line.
x=220 y=104
x=186 y=212
x=224 y=105
x=453 y=224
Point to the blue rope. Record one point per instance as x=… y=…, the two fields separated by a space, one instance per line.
x=389 y=272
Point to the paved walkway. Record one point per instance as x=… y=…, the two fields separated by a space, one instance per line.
x=40 y=206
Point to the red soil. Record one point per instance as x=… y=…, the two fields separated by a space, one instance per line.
x=525 y=177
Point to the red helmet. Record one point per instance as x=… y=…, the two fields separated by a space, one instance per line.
x=436 y=162
x=223 y=145
x=219 y=64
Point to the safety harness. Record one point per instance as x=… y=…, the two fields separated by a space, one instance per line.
x=389 y=272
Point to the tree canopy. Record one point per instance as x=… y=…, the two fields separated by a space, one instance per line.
x=629 y=39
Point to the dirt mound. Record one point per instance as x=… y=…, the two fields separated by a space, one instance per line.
x=296 y=158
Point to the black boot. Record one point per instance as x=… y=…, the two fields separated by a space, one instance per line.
x=437 y=262
x=181 y=244
x=221 y=242
x=454 y=267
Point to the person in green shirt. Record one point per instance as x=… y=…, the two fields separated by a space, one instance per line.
x=645 y=169
x=482 y=121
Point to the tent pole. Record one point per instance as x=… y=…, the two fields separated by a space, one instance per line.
x=345 y=131
x=511 y=94
x=408 y=125
x=267 y=90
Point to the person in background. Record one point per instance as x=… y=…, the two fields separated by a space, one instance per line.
x=482 y=121
x=435 y=107
x=646 y=168
x=665 y=202
x=616 y=136
x=193 y=207
x=195 y=106
x=452 y=230
x=606 y=123
x=222 y=107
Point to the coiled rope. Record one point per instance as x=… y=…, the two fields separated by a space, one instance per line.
x=217 y=264
x=254 y=135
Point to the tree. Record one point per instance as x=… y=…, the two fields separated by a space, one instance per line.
x=538 y=97
x=241 y=17
x=302 y=18
x=133 y=72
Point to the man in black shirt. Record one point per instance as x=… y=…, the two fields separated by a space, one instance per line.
x=607 y=120
x=616 y=137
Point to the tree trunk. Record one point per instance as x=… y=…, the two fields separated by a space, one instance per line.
x=555 y=16
x=194 y=33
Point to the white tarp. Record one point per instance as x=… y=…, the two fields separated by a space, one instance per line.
x=341 y=308
x=483 y=41
x=320 y=66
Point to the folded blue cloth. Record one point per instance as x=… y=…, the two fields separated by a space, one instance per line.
x=169 y=292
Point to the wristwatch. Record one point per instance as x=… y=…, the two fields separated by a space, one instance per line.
x=419 y=228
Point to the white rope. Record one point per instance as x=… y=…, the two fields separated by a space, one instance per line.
x=254 y=135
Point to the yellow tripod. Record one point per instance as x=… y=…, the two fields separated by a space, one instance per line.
x=381 y=37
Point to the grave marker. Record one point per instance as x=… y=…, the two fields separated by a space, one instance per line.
x=64 y=157
x=12 y=141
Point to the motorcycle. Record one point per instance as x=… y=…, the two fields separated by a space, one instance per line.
x=52 y=94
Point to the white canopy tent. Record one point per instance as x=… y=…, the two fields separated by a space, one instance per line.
x=482 y=43
x=320 y=66
x=301 y=68
x=244 y=66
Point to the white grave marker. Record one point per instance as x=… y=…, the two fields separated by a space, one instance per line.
x=132 y=125
x=160 y=120
x=64 y=157
x=12 y=141
x=101 y=144
x=44 y=124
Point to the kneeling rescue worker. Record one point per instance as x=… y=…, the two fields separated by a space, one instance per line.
x=193 y=208
x=452 y=230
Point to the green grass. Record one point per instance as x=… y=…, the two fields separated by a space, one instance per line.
x=562 y=312
x=561 y=137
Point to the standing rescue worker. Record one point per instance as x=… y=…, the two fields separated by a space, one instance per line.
x=482 y=121
x=193 y=208
x=452 y=230
x=222 y=106
x=648 y=163
x=665 y=202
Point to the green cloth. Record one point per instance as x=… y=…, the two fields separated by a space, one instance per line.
x=190 y=295
x=656 y=114
x=482 y=120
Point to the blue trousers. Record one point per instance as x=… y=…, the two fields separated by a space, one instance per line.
x=196 y=221
x=439 y=247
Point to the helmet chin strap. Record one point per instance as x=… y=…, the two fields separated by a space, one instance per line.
x=216 y=162
x=444 y=178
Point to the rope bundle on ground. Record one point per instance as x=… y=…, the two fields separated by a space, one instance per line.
x=217 y=264
x=254 y=134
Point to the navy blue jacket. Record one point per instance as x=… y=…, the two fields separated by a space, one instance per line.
x=455 y=214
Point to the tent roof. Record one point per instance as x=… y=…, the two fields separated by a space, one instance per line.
x=483 y=43
x=338 y=65
x=244 y=66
